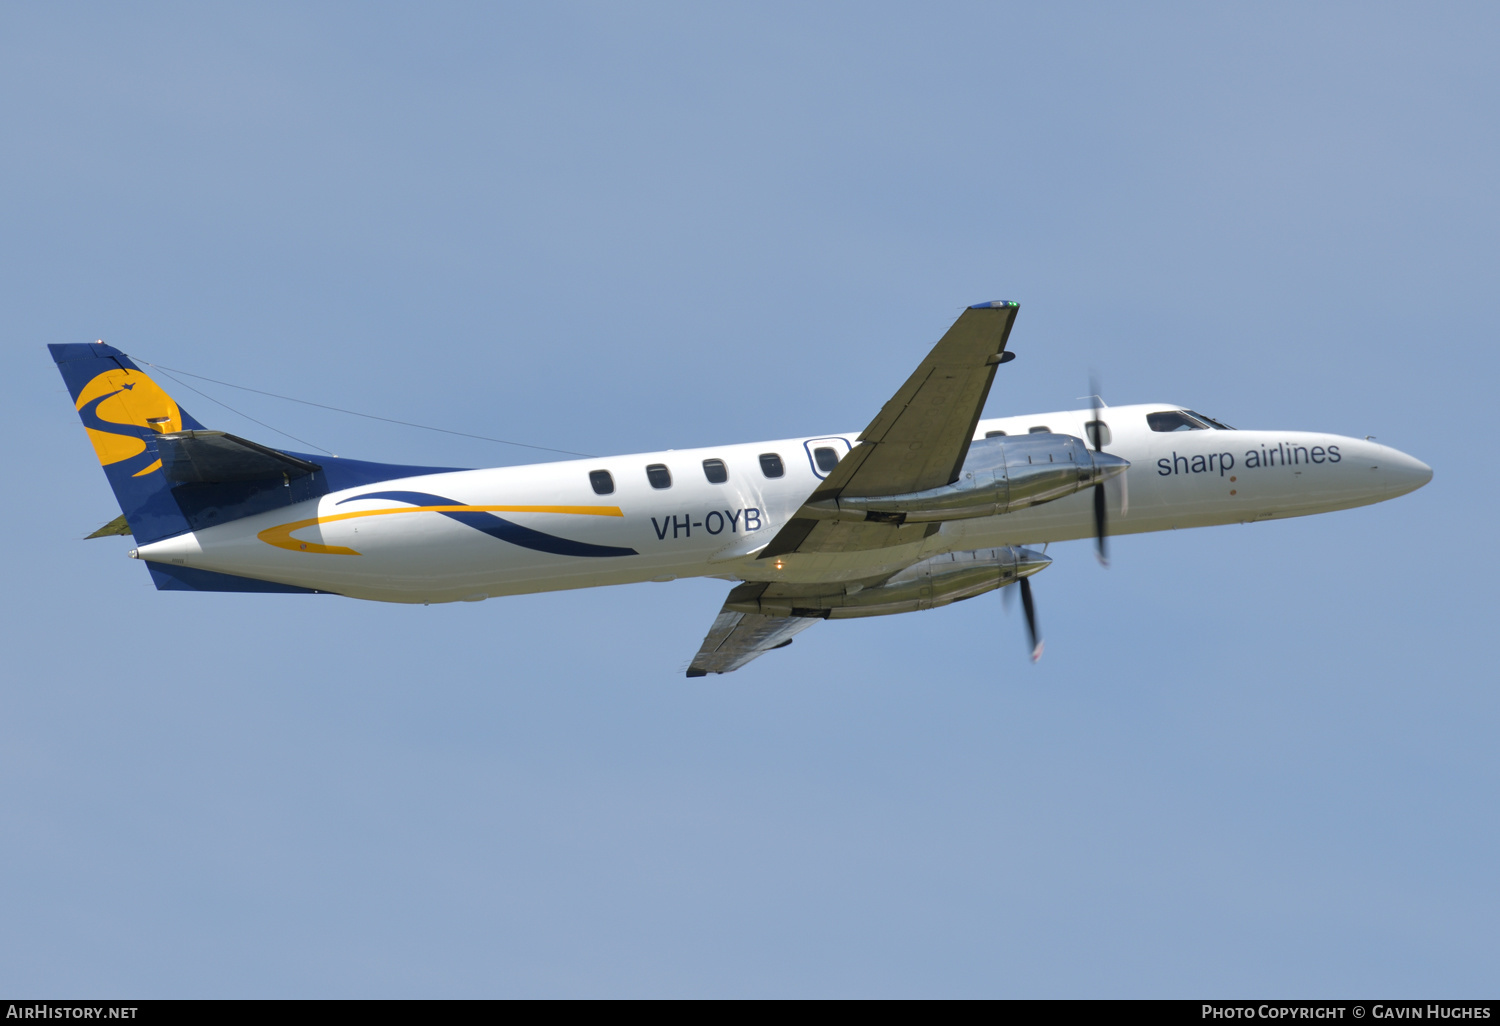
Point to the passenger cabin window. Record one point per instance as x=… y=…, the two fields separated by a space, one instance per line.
x=602 y=482
x=715 y=471
x=826 y=458
x=1174 y=420
x=770 y=464
x=1039 y=430
x=1098 y=433
x=659 y=475
x=994 y=434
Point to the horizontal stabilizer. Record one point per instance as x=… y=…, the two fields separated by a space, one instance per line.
x=116 y=526
x=217 y=457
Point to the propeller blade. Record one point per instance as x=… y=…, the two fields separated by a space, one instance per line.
x=1100 y=524
x=1100 y=520
x=1030 y=607
x=1098 y=408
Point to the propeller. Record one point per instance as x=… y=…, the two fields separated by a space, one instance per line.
x=1101 y=525
x=1030 y=607
x=1007 y=597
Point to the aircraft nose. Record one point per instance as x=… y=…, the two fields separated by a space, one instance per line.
x=1404 y=473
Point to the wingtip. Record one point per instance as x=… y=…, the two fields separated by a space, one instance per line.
x=995 y=304
x=697 y=673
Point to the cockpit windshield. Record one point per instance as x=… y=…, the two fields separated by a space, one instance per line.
x=1183 y=420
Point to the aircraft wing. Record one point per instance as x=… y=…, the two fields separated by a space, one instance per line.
x=736 y=638
x=918 y=440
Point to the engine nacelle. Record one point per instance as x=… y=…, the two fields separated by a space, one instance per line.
x=1000 y=475
x=933 y=582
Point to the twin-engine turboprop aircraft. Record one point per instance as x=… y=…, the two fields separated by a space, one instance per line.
x=927 y=506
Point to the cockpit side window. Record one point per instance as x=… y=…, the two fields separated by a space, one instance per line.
x=1174 y=420
x=1209 y=420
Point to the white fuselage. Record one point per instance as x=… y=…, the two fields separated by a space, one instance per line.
x=405 y=551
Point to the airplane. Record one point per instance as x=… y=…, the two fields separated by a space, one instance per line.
x=929 y=505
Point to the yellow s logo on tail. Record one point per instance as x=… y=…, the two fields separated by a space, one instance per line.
x=125 y=399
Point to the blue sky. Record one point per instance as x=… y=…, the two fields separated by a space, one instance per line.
x=1255 y=760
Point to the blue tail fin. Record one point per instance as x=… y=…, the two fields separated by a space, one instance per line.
x=123 y=410
x=126 y=413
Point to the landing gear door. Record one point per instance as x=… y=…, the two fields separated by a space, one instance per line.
x=823 y=454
